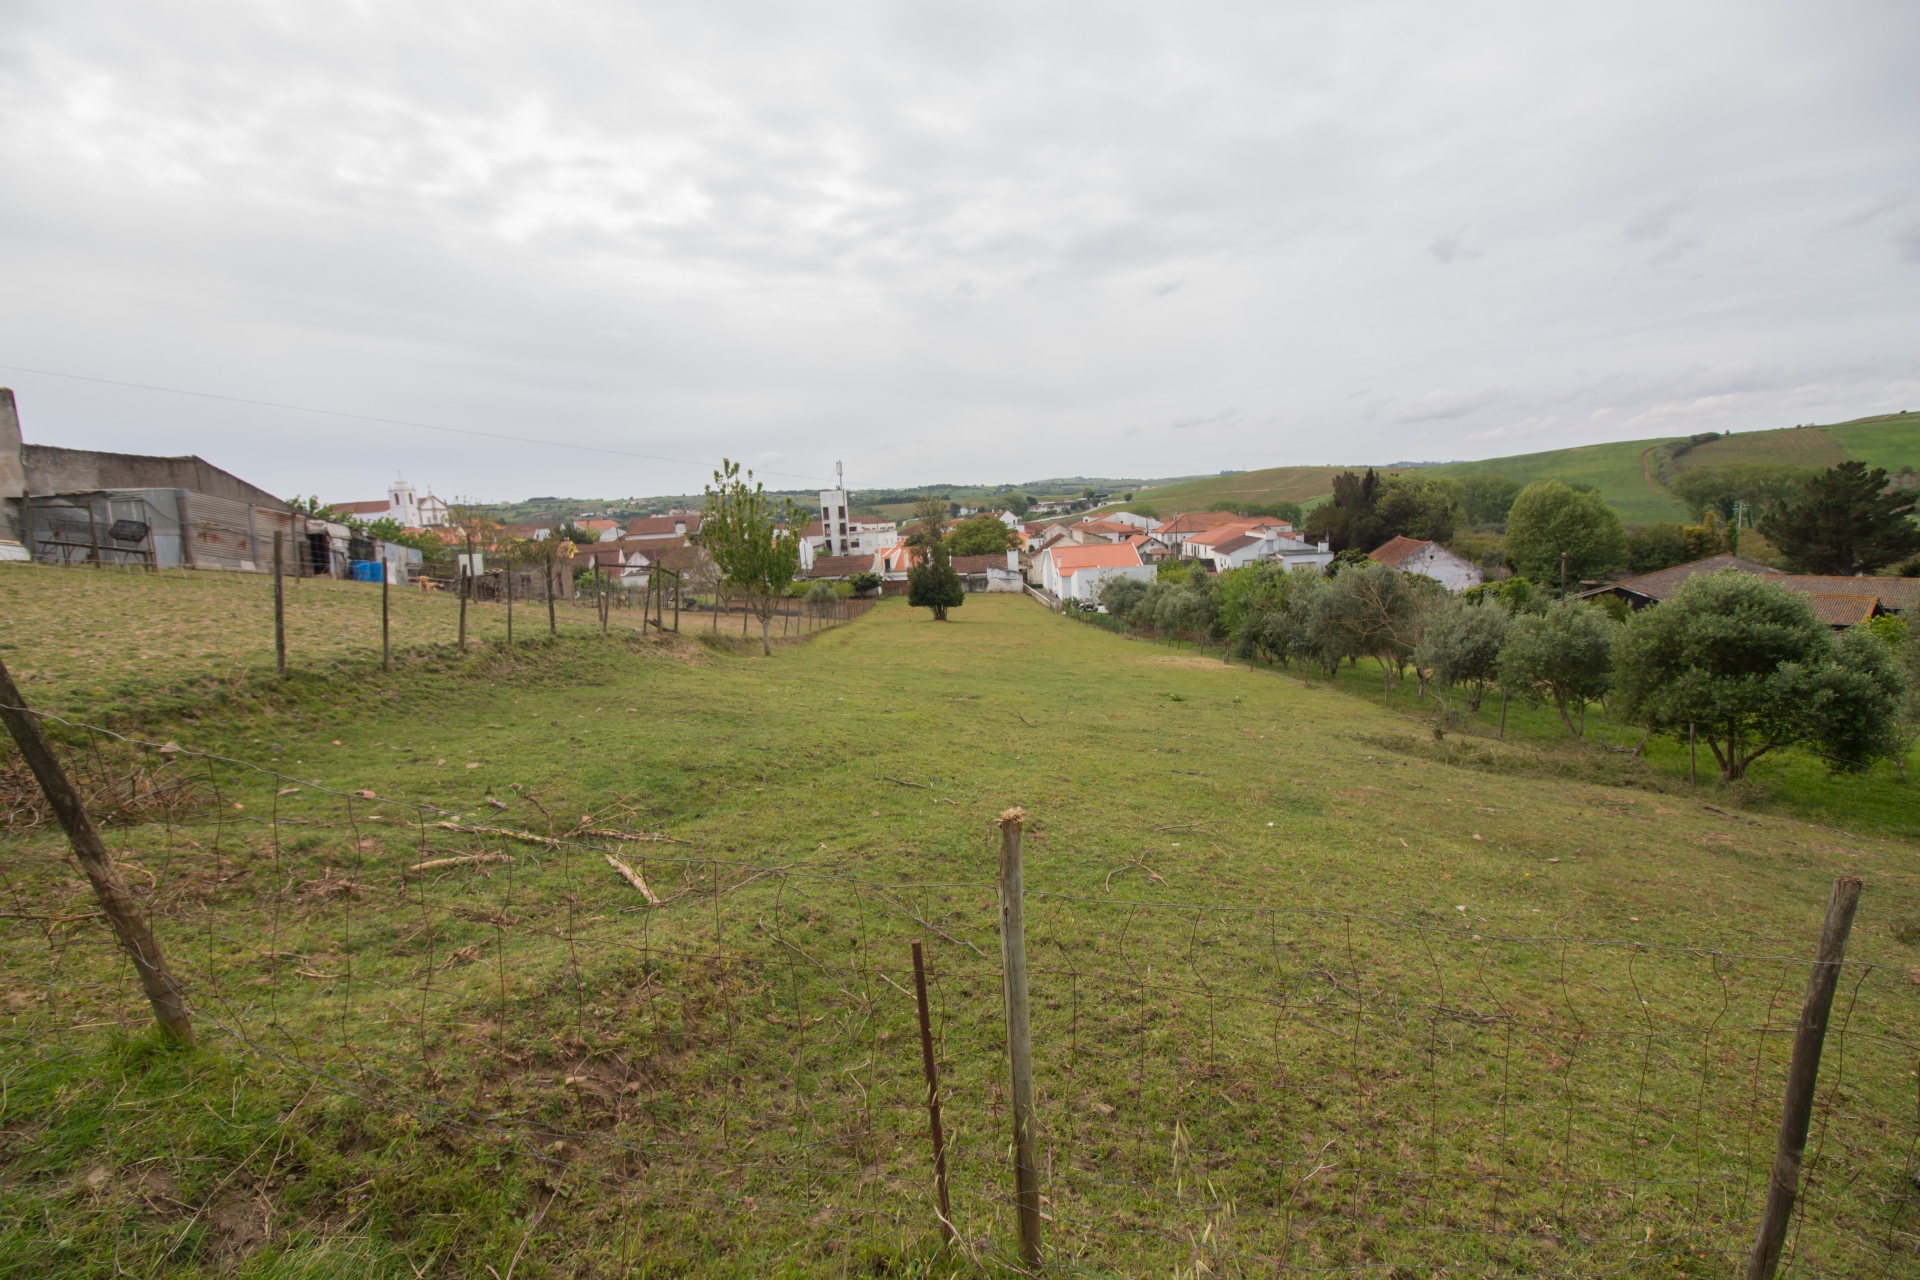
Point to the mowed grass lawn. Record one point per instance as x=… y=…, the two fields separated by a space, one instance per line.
x=1305 y=993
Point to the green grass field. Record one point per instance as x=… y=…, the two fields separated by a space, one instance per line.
x=1311 y=989
x=1615 y=470
x=1228 y=493
x=1891 y=440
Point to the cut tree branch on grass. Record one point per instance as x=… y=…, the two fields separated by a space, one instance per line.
x=554 y=842
x=632 y=877
x=469 y=859
x=901 y=782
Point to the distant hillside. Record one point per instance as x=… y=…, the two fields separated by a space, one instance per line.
x=1629 y=474
x=1621 y=471
x=1304 y=485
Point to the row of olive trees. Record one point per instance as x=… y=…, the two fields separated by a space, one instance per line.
x=1741 y=664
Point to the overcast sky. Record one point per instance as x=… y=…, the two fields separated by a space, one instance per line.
x=968 y=242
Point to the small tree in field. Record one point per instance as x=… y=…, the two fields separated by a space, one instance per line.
x=932 y=583
x=755 y=544
x=1369 y=611
x=1565 y=653
x=1461 y=645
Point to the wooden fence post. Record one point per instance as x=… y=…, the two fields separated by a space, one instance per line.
x=932 y=1071
x=1783 y=1187
x=121 y=908
x=279 y=611
x=466 y=581
x=553 y=623
x=1013 y=960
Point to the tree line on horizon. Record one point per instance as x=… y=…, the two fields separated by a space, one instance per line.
x=1844 y=520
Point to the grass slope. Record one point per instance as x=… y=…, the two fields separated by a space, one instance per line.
x=1310 y=989
x=1890 y=440
x=1615 y=469
x=1228 y=493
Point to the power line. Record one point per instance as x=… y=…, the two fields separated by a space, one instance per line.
x=393 y=422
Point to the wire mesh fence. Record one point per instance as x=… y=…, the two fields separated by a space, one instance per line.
x=1242 y=1088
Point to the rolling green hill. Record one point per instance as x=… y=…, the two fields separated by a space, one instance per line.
x=1621 y=471
x=1626 y=473
x=1304 y=485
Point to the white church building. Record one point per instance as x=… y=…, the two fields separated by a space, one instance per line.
x=402 y=504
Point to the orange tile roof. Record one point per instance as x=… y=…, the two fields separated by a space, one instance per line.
x=1195 y=521
x=1110 y=555
x=1230 y=530
x=1396 y=550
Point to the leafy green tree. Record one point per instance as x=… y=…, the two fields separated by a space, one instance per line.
x=1348 y=519
x=1749 y=666
x=1351 y=558
x=1461 y=645
x=755 y=543
x=1843 y=524
x=1486 y=499
x=1416 y=507
x=1565 y=654
x=1720 y=489
x=1656 y=546
x=1120 y=595
x=1177 y=607
x=1286 y=632
x=1550 y=519
x=1018 y=503
x=1283 y=510
x=932 y=583
x=981 y=535
x=1369 y=611
x=1244 y=594
x=864 y=582
x=312 y=506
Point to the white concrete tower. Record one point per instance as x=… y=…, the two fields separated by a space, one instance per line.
x=402 y=503
x=833 y=516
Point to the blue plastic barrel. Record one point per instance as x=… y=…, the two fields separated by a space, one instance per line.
x=364 y=570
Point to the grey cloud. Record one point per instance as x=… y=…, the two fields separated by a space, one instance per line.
x=1907 y=239
x=1449 y=248
x=1654 y=222
x=1438 y=406
x=937 y=236
x=1221 y=418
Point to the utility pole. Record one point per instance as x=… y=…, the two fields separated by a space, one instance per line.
x=1563 y=575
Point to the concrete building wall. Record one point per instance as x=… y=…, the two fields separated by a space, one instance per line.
x=13 y=482
x=51 y=469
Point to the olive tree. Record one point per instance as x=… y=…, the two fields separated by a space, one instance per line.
x=1747 y=664
x=1368 y=611
x=1461 y=645
x=1564 y=654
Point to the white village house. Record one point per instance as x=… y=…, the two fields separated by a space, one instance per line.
x=1071 y=572
x=1412 y=555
